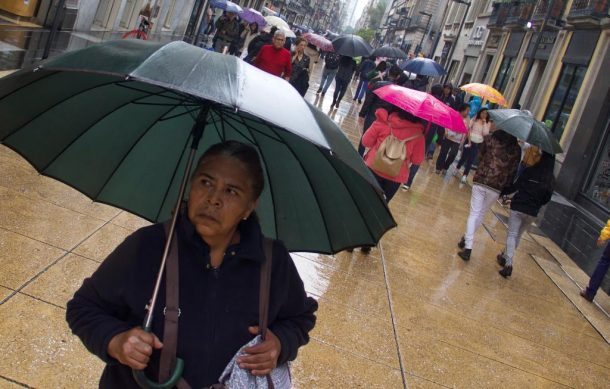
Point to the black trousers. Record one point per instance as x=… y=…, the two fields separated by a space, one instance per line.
x=449 y=150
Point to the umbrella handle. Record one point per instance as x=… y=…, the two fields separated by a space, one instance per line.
x=142 y=380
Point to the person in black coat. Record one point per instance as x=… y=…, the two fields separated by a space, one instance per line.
x=220 y=255
x=258 y=42
x=532 y=190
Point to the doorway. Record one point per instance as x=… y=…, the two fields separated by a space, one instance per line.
x=103 y=13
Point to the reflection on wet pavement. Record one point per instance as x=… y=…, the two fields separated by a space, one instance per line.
x=447 y=324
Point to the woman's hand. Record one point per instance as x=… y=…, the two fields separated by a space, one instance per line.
x=261 y=358
x=134 y=347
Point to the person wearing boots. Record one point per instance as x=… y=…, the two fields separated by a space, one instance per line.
x=499 y=158
x=602 y=266
x=533 y=189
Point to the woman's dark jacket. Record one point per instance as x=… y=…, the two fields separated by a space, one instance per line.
x=300 y=74
x=534 y=188
x=217 y=306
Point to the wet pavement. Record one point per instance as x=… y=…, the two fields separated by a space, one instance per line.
x=411 y=313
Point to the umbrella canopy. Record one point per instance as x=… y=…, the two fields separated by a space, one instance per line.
x=390 y=52
x=485 y=92
x=274 y=21
x=115 y=122
x=227 y=5
x=424 y=67
x=352 y=46
x=253 y=16
x=423 y=105
x=318 y=41
x=524 y=126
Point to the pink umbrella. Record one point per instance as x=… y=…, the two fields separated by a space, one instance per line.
x=422 y=105
x=318 y=41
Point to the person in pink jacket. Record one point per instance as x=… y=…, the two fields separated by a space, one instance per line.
x=403 y=125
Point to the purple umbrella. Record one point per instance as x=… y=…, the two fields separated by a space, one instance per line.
x=253 y=16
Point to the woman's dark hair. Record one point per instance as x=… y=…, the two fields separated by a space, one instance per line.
x=244 y=153
x=299 y=40
x=404 y=115
x=463 y=107
x=381 y=66
x=543 y=171
x=479 y=115
x=255 y=25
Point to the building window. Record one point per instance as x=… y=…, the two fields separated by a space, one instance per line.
x=563 y=98
x=505 y=70
x=598 y=187
x=169 y=15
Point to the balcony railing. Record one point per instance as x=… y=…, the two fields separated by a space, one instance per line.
x=499 y=14
x=520 y=13
x=543 y=6
x=596 y=9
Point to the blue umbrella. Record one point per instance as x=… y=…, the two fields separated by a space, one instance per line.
x=424 y=67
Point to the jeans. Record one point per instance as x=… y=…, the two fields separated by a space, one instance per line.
x=361 y=89
x=599 y=273
x=518 y=223
x=481 y=200
x=389 y=187
x=469 y=154
x=327 y=78
x=449 y=150
x=368 y=121
x=340 y=89
x=412 y=172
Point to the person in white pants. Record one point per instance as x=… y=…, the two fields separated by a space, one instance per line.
x=499 y=158
x=533 y=189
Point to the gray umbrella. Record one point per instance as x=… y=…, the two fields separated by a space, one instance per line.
x=524 y=126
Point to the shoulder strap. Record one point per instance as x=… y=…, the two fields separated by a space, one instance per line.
x=265 y=285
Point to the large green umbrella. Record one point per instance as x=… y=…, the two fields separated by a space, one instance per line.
x=524 y=126
x=123 y=122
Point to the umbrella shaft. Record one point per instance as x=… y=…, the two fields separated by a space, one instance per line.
x=197 y=133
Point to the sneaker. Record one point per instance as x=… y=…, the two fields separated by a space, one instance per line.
x=464 y=179
x=405 y=187
x=465 y=254
x=359 y=101
x=506 y=271
x=585 y=295
x=365 y=250
x=501 y=260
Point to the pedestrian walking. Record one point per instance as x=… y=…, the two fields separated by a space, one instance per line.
x=363 y=70
x=331 y=66
x=451 y=144
x=227 y=32
x=300 y=67
x=499 y=156
x=436 y=133
x=602 y=266
x=391 y=126
x=274 y=58
x=247 y=36
x=347 y=66
x=447 y=96
x=532 y=190
x=372 y=102
x=216 y=271
x=478 y=129
x=257 y=43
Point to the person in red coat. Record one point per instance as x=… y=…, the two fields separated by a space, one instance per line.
x=274 y=58
x=402 y=125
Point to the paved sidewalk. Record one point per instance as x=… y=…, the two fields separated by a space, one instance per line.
x=411 y=313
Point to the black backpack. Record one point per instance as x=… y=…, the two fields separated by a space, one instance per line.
x=332 y=61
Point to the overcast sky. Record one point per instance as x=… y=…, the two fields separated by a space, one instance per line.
x=358 y=13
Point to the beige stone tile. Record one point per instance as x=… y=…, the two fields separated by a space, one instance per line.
x=24 y=179
x=323 y=366
x=448 y=365
x=415 y=382
x=353 y=264
x=419 y=319
x=6 y=384
x=362 y=334
x=44 y=221
x=130 y=221
x=102 y=242
x=58 y=284
x=21 y=258
x=39 y=349
x=4 y=292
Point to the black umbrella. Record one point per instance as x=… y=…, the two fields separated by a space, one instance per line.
x=352 y=46
x=123 y=122
x=424 y=67
x=390 y=52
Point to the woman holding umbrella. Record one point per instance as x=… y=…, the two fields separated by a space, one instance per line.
x=220 y=254
x=246 y=36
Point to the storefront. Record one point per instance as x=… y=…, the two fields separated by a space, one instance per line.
x=540 y=56
x=508 y=61
x=573 y=71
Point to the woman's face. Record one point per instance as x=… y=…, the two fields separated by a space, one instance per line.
x=253 y=27
x=301 y=47
x=221 y=196
x=483 y=115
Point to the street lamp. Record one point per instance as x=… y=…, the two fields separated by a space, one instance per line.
x=421 y=42
x=457 y=37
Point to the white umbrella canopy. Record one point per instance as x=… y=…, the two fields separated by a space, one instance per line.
x=274 y=21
